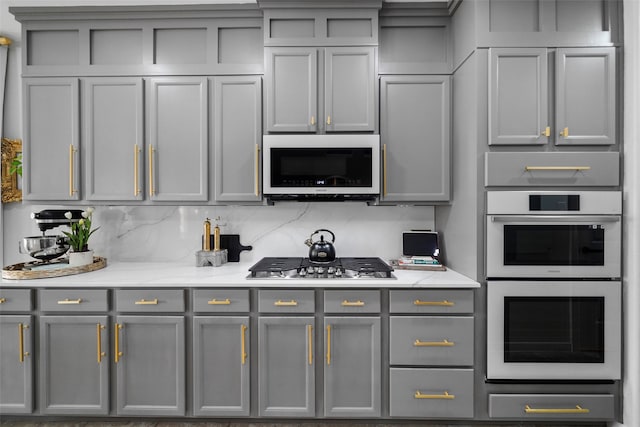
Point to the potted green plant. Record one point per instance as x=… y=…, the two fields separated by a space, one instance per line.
x=79 y=239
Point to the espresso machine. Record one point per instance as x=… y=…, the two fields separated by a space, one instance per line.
x=46 y=248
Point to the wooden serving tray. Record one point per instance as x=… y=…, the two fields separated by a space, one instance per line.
x=418 y=267
x=38 y=270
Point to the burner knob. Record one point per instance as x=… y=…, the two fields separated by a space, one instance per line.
x=310 y=270
x=303 y=272
x=320 y=270
x=338 y=272
x=331 y=270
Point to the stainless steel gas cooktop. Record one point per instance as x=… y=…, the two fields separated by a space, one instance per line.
x=303 y=268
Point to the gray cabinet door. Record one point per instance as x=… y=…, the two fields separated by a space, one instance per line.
x=16 y=365
x=415 y=131
x=291 y=100
x=286 y=367
x=113 y=139
x=177 y=138
x=518 y=104
x=221 y=366
x=237 y=130
x=51 y=139
x=74 y=365
x=352 y=370
x=586 y=96
x=349 y=87
x=149 y=352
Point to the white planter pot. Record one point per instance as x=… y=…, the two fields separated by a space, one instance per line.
x=78 y=259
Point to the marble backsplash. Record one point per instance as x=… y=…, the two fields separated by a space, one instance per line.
x=173 y=233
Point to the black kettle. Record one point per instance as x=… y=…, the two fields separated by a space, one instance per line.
x=321 y=250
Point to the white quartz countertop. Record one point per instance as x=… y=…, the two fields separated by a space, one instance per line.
x=156 y=274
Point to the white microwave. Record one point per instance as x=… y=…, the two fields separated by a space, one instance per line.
x=321 y=167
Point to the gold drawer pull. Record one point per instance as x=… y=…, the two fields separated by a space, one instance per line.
x=3 y=300
x=328 y=344
x=310 y=344
x=281 y=303
x=99 y=353
x=70 y=301
x=577 y=410
x=557 y=168
x=358 y=303
x=243 y=350
x=117 y=352
x=23 y=353
x=443 y=303
x=445 y=395
x=443 y=343
x=219 y=302
x=147 y=302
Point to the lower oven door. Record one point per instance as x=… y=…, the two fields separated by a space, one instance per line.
x=553 y=246
x=553 y=330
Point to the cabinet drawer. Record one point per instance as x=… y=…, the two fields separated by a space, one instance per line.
x=149 y=301
x=15 y=300
x=286 y=301
x=433 y=340
x=431 y=393
x=552 y=406
x=73 y=300
x=431 y=301
x=552 y=169
x=221 y=300
x=352 y=301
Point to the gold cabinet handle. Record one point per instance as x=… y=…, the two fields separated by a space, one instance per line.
x=384 y=169
x=443 y=303
x=313 y=120
x=419 y=395
x=577 y=410
x=310 y=344
x=281 y=303
x=72 y=151
x=346 y=303
x=147 y=302
x=3 y=300
x=136 y=154
x=117 y=352
x=546 y=132
x=99 y=353
x=257 y=174
x=219 y=302
x=443 y=343
x=329 y=120
x=22 y=353
x=243 y=350
x=152 y=191
x=557 y=168
x=328 y=344
x=564 y=133
x=68 y=301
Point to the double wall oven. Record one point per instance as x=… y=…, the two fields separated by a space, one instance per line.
x=553 y=288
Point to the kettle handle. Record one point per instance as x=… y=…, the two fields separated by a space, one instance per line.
x=333 y=236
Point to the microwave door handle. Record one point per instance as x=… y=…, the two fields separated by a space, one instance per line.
x=554 y=218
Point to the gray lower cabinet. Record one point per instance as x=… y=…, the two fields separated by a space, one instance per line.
x=286 y=366
x=352 y=369
x=74 y=365
x=237 y=137
x=16 y=363
x=51 y=129
x=177 y=148
x=415 y=132
x=221 y=365
x=112 y=138
x=568 y=407
x=149 y=353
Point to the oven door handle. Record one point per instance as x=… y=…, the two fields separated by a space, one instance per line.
x=554 y=218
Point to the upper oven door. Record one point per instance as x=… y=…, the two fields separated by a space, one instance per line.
x=553 y=246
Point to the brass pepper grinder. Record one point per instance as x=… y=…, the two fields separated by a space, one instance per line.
x=206 y=243
x=216 y=236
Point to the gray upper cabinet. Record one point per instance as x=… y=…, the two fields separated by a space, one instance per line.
x=584 y=99
x=237 y=136
x=352 y=370
x=294 y=79
x=149 y=352
x=177 y=149
x=16 y=364
x=221 y=365
x=51 y=139
x=74 y=365
x=113 y=138
x=524 y=23
x=415 y=131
